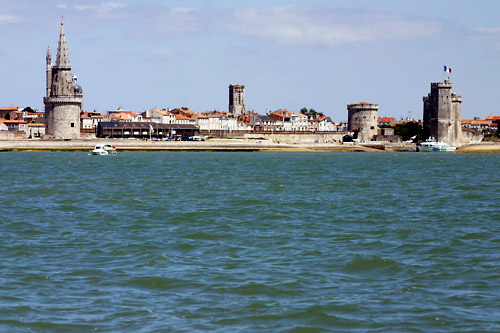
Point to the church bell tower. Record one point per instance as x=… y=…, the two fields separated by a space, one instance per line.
x=236 y=99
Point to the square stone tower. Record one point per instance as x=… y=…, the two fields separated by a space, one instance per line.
x=236 y=99
x=64 y=97
x=443 y=113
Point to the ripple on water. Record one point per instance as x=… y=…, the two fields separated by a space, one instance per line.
x=371 y=264
x=249 y=242
x=157 y=283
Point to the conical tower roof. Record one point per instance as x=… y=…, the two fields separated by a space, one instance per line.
x=62 y=60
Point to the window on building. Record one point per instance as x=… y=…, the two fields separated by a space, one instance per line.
x=72 y=124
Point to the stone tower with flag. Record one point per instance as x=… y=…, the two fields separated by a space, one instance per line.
x=64 y=97
x=442 y=114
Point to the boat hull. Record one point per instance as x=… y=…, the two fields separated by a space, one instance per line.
x=104 y=150
x=433 y=146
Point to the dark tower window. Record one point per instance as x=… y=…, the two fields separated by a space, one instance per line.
x=72 y=124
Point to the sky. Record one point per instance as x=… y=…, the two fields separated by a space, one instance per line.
x=320 y=54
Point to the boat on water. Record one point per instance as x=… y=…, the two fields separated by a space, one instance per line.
x=102 y=149
x=430 y=145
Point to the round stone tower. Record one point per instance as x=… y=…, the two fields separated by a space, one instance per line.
x=63 y=102
x=362 y=120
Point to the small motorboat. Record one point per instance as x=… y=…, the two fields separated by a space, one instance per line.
x=101 y=149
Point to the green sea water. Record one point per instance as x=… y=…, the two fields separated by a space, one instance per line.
x=249 y=242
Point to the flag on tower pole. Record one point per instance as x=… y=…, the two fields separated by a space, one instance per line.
x=447 y=69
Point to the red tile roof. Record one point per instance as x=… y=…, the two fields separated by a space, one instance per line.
x=386 y=119
x=162 y=112
x=481 y=122
x=15 y=121
x=181 y=116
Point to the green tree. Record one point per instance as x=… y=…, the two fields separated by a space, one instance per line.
x=497 y=132
x=304 y=110
x=410 y=130
x=28 y=109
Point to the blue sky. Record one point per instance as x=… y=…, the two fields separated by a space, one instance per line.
x=289 y=54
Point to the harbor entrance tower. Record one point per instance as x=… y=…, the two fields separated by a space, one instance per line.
x=64 y=97
x=442 y=114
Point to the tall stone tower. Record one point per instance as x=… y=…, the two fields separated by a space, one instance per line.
x=64 y=97
x=442 y=114
x=237 y=99
x=363 y=120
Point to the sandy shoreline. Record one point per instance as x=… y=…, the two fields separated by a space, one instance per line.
x=219 y=145
x=141 y=145
x=483 y=147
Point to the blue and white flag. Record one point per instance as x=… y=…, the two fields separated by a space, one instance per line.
x=447 y=69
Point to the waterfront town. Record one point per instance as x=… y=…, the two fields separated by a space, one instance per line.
x=65 y=119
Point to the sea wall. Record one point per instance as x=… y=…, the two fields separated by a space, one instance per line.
x=318 y=137
x=257 y=144
x=470 y=136
x=12 y=135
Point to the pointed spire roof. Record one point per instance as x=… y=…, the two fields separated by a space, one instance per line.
x=62 y=50
x=48 y=57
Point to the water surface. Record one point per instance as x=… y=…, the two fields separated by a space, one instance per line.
x=249 y=241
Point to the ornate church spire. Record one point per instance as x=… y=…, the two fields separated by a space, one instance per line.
x=48 y=57
x=62 y=60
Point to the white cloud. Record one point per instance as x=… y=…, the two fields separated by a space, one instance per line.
x=307 y=25
x=178 y=20
x=10 y=19
x=182 y=10
x=491 y=34
x=61 y=6
x=101 y=8
x=488 y=30
x=163 y=52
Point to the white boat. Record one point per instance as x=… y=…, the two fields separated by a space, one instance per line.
x=101 y=149
x=430 y=145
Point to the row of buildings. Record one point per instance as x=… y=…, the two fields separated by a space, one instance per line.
x=210 y=123
x=64 y=117
x=362 y=120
